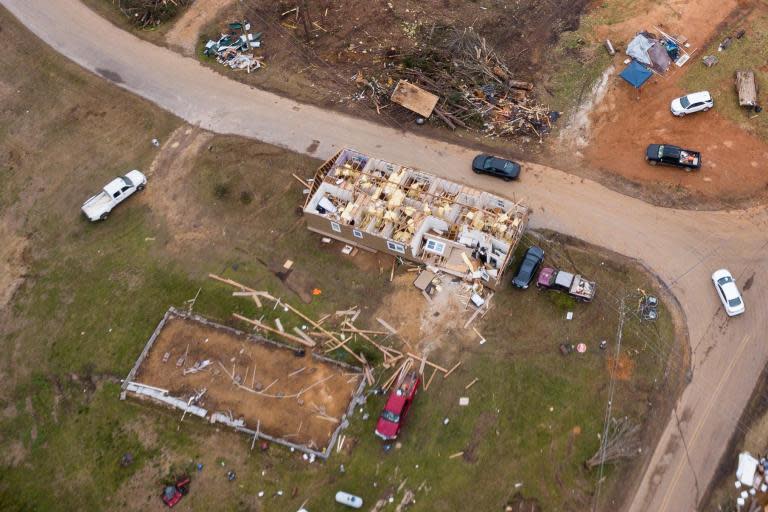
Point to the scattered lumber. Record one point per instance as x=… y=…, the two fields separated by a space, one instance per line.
x=285 y=335
x=476 y=89
x=451 y=370
x=472 y=383
x=425 y=361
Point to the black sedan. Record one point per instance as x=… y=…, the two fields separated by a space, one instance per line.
x=495 y=166
x=531 y=261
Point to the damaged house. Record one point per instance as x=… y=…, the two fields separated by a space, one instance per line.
x=381 y=206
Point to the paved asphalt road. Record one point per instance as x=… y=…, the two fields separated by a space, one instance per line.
x=682 y=247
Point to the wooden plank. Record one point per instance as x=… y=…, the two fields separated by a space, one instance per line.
x=472 y=318
x=301 y=181
x=296 y=372
x=414 y=98
x=426 y=386
x=471 y=383
x=275 y=331
x=388 y=352
x=302 y=335
x=426 y=361
x=388 y=327
x=452 y=370
x=457 y=454
x=362 y=331
x=276 y=301
x=467 y=262
x=348 y=350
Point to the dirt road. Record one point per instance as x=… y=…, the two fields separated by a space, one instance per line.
x=682 y=247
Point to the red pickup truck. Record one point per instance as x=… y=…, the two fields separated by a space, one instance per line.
x=399 y=402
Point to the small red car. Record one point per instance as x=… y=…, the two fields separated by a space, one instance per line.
x=172 y=494
x=399 y=402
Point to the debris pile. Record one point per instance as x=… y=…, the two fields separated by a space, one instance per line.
x=234 y=48
x=751 y=482
x=416 y=216
x=476 y=88
x=150 y=13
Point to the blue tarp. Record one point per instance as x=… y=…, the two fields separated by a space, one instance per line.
x=636 y=74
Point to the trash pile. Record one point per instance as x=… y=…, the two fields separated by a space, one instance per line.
x=234 y=48
x=751 y=482
x=476 y=88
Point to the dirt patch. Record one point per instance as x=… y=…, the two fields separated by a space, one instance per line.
x=186 y=220
x=620 y=368
x=299 y=405
x=435 y=327
x=14 y=454
x=12 y=266
x=727 y=175
x=185 y=32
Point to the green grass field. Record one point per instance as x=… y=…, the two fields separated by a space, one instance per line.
x=749 y=52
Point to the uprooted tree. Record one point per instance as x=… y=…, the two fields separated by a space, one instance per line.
x=622 y=441
x=150 y=13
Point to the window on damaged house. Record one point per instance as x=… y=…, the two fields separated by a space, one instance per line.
x=357 y=233
x=394 y=246
x=434 y=246
x=336 y=227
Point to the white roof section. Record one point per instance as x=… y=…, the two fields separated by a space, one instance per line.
x=747 y=469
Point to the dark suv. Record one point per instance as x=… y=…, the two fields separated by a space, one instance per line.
x=531 y=261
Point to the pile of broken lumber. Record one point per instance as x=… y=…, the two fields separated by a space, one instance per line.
x=338 y=337
x=476 y=88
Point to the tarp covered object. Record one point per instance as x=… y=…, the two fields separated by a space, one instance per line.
x=649 y=51
x=747 y=468
x=659 y=57
x=638 y=49
x=636 y=74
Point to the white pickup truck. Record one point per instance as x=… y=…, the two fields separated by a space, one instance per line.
x=114 y=193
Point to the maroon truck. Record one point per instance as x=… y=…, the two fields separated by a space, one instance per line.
x=562 y=281
x=172 y=494
x=399 y=402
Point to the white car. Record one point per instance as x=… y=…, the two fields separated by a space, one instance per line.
x=729 y=294
x=114 y=193
x=694 y=102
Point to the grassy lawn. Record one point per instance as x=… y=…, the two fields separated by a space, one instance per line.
x=579 y=58
x=749 y=52
x=94 y=292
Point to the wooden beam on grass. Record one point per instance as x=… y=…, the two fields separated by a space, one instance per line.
x=452 y=370
x=285 y=335
x=426 y=361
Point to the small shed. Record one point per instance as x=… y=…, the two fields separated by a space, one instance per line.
x=414 y=98
x=747 y=88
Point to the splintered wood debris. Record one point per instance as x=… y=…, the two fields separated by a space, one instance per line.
x=339 y=337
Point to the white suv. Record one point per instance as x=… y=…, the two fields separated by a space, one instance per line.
x=694 y=102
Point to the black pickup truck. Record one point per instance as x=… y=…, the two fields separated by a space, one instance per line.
x=664 y=154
